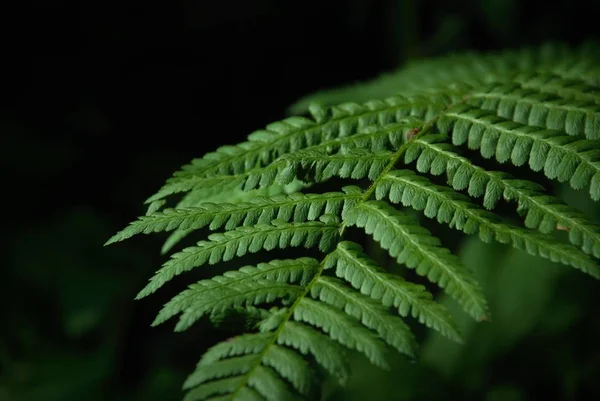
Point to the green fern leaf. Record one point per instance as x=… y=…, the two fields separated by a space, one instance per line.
x=560 y=156
x=356 y=163
x=371 y=314
x=296 y=207
x=248 y=293
x=538 y=106
x=216 y=387
x=542 y=211
x=325 y=351
x=448 y=206
x=249 y=376
x=540 y=109
x=243 y=285
x=269 y=385
x=227 y=367
x=244 y=344
x=293 y=134
x=291 y=367
x=197 y=198
x=375 y=138
x=365 y=275
x=554 y=84
x=342 y=328
x=414 y=246
x=470 y=68
x=238 y=242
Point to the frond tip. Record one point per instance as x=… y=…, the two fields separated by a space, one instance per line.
x=537 y=108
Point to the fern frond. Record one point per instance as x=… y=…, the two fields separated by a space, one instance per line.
x=196 y=198
x=365 y=275
x=244 y=294
x=584 y=68
x=244 y=344
x=356 y=163
x=539 y=109
x=353 y=163
x=242 y=240
x=307 y=340
x=546 y=82
x=251 y=361
x=293 y=134
x=223 y=368
x=374 y=138
x=217 y=387
x=296 y=207
x=537 y=106
x=543 y=212
x=341 y=328
x=283 y=170
x=371 y=314
x=560 y=156
x=269 y=385
x=465 y=68
x=350 y=162
x=448 y=206
x=290 y=366
x=415 y=246
x=249 y=284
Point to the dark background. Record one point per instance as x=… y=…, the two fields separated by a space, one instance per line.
x=103 y=100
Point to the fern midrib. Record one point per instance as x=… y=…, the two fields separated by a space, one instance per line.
x=366 y=195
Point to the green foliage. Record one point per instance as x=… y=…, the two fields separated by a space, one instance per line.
x=534 y=106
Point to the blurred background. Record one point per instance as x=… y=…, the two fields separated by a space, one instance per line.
x=103 y=100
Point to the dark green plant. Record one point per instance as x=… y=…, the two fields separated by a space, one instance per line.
x=536 y=109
